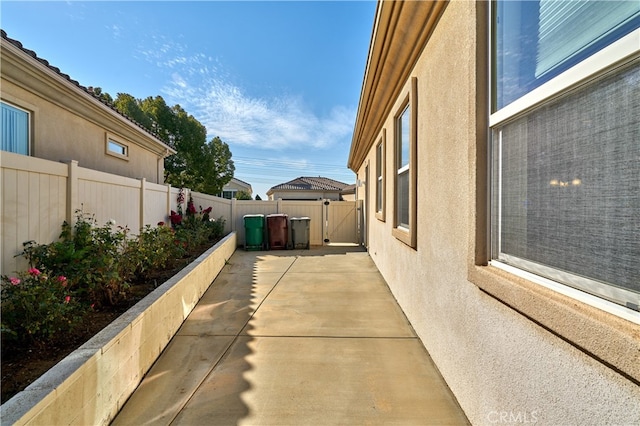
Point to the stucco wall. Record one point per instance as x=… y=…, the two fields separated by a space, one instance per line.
x=502 y=367
x=61 y=135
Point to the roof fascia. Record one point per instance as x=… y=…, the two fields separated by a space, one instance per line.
x=401 y=31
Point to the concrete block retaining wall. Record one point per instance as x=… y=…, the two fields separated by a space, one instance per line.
x=91 y=385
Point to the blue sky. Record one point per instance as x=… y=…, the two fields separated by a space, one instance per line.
x=278 y=81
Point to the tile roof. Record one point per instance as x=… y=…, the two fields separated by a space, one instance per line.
x=88 y=90
x=310 y=184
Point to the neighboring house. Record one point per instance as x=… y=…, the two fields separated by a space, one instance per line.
x=308 y=188
x=349 y=193
x=48 y=115
x=499 y=146
x=233 y=186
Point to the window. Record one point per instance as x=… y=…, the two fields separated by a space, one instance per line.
x=402 y=168
x=405 y=202
x=380 y=169
x=565 y=153
x=15 y=129
x=228 y=194
x=117 y=148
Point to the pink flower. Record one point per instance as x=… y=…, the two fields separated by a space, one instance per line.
x=14 y=280
x=34 y=271
x=62 y=280
x=67 y=299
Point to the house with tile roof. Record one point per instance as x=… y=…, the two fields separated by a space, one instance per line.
x=308 y=188
x=48 y=115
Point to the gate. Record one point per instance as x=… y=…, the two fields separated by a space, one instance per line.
x=340 y=224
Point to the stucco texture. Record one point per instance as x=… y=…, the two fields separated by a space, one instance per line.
x=501 y=366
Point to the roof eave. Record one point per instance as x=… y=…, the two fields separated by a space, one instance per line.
x=401 y=30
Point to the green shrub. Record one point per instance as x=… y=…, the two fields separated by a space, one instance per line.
x=38 y=307
x=90 y=257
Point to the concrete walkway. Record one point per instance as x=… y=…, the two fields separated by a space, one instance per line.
x=304 y=337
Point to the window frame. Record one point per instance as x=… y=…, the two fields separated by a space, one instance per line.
x=408 y=102
x=111 y=139
x=609 y=58
x=381 y=160
x=29 y=125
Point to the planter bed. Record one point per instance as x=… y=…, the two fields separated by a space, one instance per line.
x=91 y=385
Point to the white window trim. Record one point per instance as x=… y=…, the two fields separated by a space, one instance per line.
x=589 y=299
x=114 y=139
x=382 y=144
x=609 y=57
x=30 y=115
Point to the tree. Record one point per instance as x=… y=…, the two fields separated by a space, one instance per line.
x=258 y=197
x=243 y=195
x=198 y=165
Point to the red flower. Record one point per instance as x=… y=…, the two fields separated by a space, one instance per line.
x=67 y=299
x=176 y=219
x=207 y=210
x=191 y=208
x=160 y=223
x=14 y=280
x=62 y=280
x=34 y=271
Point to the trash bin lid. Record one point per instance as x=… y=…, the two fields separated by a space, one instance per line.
x=277 y=215
x=301 y=218
x=252 y=215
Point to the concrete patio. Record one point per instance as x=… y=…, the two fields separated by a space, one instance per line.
x=292 y=338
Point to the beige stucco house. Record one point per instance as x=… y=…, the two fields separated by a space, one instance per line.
x=498 y=146
x=308 y=188
x=233 y=186
x=48 y=115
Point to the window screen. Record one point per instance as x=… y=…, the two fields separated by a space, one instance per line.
x=567 y=188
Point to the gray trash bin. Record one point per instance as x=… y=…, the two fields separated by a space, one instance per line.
x=300 y=232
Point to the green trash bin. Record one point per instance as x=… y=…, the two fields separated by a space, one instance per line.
x=253 y=231
x=300 y=232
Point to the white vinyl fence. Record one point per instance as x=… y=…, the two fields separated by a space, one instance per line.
x=39 y=195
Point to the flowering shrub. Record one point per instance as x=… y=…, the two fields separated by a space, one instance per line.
x=91 y=267
x=38 y=307
x=90 y=257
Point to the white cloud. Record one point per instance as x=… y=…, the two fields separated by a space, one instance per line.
x=228 y=111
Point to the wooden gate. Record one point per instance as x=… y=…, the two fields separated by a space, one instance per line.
x=340 y=224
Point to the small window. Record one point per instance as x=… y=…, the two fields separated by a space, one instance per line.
x=380 y=168
x=405 y=179
x=117 y=148
x=15 y=129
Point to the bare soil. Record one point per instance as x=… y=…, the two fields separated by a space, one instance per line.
x=21 y=366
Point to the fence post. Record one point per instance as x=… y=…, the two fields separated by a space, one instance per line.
x=234 y=220
x=279 y=205
x=72 y=192
x=168 y=212
x=143 y=191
